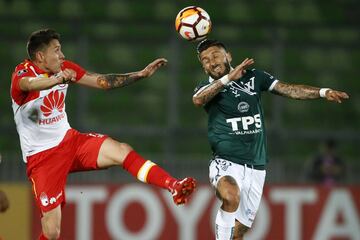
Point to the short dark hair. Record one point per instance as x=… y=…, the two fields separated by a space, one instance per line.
x=205 y=44
x=39 y=40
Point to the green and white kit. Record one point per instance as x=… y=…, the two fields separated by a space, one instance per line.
x=236 y=127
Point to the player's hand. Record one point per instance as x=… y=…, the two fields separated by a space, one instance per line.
x=336 y=96
x=239 y=70
x=66 y=76
x=152 y=67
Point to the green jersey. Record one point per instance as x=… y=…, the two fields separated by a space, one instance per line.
x=236 y=127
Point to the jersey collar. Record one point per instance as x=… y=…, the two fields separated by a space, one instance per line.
x=36 y=69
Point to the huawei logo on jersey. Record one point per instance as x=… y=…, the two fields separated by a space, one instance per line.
x=53 y=101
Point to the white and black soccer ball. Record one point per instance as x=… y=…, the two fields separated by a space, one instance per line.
x=193 y=23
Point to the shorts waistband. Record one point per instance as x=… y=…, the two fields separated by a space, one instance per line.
x=256 y=167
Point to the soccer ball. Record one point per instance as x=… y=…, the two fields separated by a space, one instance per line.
x=193 y=23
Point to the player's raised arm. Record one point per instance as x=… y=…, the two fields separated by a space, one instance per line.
x=308 y=92
x=117 y=80
x=206 y=93
x=39 y=83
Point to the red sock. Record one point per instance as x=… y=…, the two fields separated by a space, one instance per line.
x=42 y=237
x=147 y=171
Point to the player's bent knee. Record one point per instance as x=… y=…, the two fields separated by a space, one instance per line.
x=228 y=190
x=126 y=148
x=112 y=153
x=229 y=193
x=231 y=198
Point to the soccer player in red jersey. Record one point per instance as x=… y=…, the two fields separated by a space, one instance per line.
x=51 y=148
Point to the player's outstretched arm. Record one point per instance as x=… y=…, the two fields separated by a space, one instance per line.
x=116 y=80
x=308 y=92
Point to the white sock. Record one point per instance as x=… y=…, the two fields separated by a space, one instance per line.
x=224 y=225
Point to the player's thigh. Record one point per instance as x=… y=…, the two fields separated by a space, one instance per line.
x=51 y=220
x=239 y=230
x=228 y=190
x=112 y=153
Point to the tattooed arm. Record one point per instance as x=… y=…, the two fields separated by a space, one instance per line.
x=116 y=80
x=307 y=92
x=109 y=81
x=206 y=93
x=296 y=91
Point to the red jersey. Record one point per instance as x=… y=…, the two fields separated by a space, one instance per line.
x=40 y=116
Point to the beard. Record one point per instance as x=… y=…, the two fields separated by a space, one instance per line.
x=220 y=75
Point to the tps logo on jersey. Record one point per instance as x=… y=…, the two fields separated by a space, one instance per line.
x=53 y=101
x=241 y=125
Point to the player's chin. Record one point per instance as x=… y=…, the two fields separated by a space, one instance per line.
x=215 y=75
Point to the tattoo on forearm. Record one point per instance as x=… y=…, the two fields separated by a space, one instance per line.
x=110 y=81
x=210 y=91
x=296 y=91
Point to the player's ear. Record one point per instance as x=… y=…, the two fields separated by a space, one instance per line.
x=202 y=65
x=39 y=55
x=228 y=56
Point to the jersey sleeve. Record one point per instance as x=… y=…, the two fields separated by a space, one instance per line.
x=20 y=71
x=201 y=86
x=267 y=81
x=19 y=96
x=77 y=68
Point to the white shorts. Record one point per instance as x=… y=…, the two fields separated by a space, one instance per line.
x=250 y=182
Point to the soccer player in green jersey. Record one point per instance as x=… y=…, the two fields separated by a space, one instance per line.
x=236 y=132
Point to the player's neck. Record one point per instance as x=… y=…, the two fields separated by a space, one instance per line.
x=41 y=66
